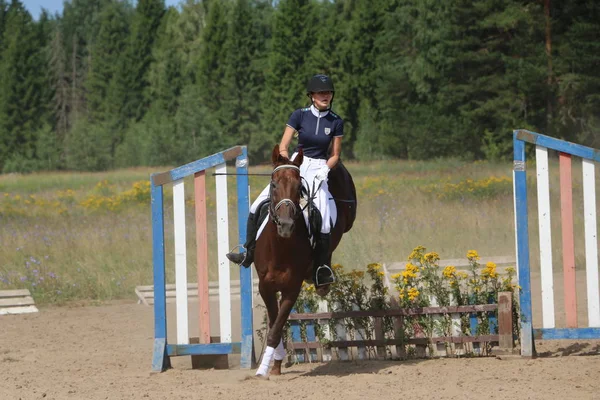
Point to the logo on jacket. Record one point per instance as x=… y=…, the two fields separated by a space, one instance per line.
x=327 y=131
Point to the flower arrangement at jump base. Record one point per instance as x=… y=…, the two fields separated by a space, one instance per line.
x=422 y=283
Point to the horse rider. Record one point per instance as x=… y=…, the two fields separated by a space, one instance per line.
x=316 y=126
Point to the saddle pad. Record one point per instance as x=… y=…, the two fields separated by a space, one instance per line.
x=263 y=219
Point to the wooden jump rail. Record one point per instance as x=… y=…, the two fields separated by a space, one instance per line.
x=504 y=336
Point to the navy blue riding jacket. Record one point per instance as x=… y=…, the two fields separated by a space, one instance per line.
x=315 y=130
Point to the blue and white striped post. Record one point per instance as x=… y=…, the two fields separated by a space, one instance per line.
x=522 y=238
x=243 y=201
x=589 y=157
x=160 y=361
x=162 y=349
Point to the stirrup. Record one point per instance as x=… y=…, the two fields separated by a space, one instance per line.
x=325 y=280
x=236 y=258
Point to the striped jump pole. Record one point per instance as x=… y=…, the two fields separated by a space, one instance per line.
x=588 y=157
x=163 y=349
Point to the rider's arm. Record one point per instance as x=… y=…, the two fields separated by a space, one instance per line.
x=335 y=152
x=288 y=133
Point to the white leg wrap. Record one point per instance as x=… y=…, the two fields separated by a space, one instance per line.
x=280 y=351
x=263 y=369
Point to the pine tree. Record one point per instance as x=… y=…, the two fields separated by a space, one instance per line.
x=144 y=27
x=21 y=109
x=152 y=141
x=165 y=76
x=475 y=72
x=60 y=83
x=213 y=64
x=359 y=59
x=3 y=11
x=80 y=27
x=243 y=78
x=292 y=39
x=577 y=62
x=104 y=87
x=106 y=58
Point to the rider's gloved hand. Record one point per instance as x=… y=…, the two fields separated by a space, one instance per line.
x=322 y=173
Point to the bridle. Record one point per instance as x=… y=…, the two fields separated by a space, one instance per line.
x=274 y=208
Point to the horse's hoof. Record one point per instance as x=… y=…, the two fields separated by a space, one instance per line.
x=276 y=370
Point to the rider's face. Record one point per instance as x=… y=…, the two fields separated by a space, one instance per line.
x=322 y=100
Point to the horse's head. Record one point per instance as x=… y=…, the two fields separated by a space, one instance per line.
x=285 y=191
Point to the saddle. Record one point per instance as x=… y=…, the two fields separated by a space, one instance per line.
x=312 y=216
x=343 y=192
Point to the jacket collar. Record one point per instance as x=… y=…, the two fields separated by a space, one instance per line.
x=317 y=113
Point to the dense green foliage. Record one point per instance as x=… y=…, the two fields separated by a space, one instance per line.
x=111 y=84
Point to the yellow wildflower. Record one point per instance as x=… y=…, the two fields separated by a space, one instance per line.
x=412 y=268
x=413 y=293
x=489 y=271
x=337 y=267
x=416 y=253
x=449 y=271
x=472 y=255
x=432 y=257
x=374 y=267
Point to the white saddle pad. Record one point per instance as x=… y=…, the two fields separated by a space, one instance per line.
x=333 y=213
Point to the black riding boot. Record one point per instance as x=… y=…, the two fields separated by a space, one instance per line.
x=247 y=258
x=323 y=274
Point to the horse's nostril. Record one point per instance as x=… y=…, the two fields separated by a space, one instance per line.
x=285 y=227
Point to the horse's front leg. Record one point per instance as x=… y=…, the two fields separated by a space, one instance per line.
x=270 y=299
x=274 y=338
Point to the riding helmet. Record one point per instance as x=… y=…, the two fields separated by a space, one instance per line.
x=319 y=83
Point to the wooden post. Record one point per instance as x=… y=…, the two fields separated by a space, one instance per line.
x=379 y=335
x=505 y=322
x=361 y=351
x=325 y=352
x=340 y=334
x=398 y=321
x=399 y=334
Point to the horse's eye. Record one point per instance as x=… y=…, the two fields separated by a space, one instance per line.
x=274 y=185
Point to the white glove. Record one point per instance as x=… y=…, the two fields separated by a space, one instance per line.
x=322 y=174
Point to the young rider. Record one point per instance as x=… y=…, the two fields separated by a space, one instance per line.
x=317 y=127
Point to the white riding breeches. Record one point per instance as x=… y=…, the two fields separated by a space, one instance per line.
x=323 y=201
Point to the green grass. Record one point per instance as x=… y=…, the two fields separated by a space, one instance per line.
x=81 y=236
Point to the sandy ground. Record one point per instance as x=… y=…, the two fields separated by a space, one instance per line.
x=104 y=352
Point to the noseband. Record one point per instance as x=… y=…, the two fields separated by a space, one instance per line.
x=274 y=208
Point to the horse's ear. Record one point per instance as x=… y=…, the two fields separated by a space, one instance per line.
x=275 y=156
x=299 y=158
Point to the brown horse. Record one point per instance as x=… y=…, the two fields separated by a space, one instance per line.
x=283 y=256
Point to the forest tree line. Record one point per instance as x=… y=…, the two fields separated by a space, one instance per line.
x=109 y=83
